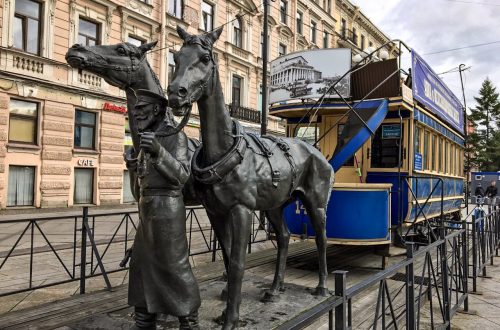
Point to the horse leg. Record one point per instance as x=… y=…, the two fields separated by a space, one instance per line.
x=240 y=225
x=219 y=225
x=283 y=238
x=318 y=221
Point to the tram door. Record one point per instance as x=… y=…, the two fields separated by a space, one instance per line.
x=353 y=171
x=384 y=147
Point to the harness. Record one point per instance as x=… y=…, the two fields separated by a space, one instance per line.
x=217 y=171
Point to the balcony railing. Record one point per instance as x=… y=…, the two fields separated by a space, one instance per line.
x=243 y=113
x=349 y=35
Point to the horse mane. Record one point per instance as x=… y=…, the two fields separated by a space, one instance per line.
x=202 y=40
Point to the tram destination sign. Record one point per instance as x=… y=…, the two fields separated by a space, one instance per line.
x=431 y=91
x=310 y=74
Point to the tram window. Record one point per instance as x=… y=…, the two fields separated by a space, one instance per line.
x=425 y=155
x=440 y=154
x=452 y=159
x=385 y=146
x=433 y=153
x=340 y=128
x=417 y=139
x=446 y=158
x=307 y=134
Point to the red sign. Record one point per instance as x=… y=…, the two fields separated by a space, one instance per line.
x=114 y=108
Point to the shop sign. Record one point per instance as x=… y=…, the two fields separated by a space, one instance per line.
x=86 y=162
x=114 y=108
x=391 y=131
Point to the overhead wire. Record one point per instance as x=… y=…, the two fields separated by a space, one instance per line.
x=476 y=3
x=464 y=47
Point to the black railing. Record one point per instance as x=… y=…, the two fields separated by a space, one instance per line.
x=436 y=274
x=244 y=113
x=49 y=251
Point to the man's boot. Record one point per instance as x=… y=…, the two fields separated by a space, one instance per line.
x=189 y=322
x=144 y=320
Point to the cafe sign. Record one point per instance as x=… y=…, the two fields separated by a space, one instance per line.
x=86 y=162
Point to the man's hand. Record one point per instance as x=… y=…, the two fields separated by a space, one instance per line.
x=149 y=143
x=130 y=161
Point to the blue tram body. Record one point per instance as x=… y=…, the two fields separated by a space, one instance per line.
x=396 y=162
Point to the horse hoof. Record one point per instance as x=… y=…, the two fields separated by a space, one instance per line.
x=270 y=296
x=319 y=291
x=221 y=319
x=223 y=294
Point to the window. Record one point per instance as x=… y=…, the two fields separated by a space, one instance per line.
x=171 y=66
x=329 y=6
x=237 y=34
x=362 y=42
x=127 y=139
x=137 y=42
x=259 y=99
x=343 y=28
x=340 y=129
x=433 y=153
x=85 y=123
x=175 y=8
x=299 y=22
x=307 y=134
x=88 y=33
x=313 y=32
x=354 y=36
x=440 y=154
x=425 y=154
x=207 y=12
x=21 y=186
x=23 y=121
x=27 y=26
x=128 y=197
x=446 y=158
x=325 y=39
x=281 y=50
x=237 y=83
x=385 y=146
x=84 y=186
x=283 y=11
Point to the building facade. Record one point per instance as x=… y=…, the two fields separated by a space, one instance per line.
x=63 y=131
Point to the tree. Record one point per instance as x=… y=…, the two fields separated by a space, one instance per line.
x=484 y=143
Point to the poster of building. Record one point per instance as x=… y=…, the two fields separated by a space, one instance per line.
x=309 y=74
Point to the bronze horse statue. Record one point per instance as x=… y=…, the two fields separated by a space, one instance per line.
x=126 y=67
x=237 y=173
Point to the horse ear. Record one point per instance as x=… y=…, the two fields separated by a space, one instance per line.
x=147 y=47
x=215 y=34
x=182 y=33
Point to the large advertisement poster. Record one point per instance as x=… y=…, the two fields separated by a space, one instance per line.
x=309 y=74
x=431 y=91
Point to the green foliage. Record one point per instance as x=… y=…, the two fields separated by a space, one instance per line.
x=483 y=145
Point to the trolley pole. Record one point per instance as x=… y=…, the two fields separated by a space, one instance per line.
x=461 y=68
x=263 y=117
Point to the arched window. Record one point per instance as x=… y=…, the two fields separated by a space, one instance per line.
x=237 y=32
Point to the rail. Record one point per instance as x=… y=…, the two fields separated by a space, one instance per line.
x=437 y=274
x=48 y=251
x=244 y=113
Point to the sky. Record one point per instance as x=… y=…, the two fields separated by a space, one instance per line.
x=430 y=26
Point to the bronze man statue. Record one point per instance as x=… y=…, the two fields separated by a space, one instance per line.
x=161 y=279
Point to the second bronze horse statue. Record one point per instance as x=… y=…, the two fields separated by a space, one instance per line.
x=236 y=173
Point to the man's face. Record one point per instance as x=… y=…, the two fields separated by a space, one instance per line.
x=493 y=183
x=145 y=116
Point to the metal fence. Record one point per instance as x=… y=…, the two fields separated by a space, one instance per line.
x=436 y=274
x=47 y=251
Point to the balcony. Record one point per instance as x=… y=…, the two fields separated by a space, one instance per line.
x=348 y=35
x=19 y=62
x=243 y=113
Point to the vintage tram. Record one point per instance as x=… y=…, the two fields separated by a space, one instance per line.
x=394 y=138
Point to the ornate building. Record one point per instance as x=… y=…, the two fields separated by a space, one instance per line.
x=62 y=130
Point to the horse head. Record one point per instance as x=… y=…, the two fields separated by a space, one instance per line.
x=195 y=70
x=121 y=65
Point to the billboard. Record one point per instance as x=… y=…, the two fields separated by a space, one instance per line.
x=431 y=91
x=309 y=74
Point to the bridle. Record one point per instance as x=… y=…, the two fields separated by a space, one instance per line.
x=135 y=65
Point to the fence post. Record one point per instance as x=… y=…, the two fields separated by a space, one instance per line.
x=482 y=234
x=465 y=265
x=444 y=276
x=340 y=292
x=474 y=255
x=410 y=289
x=83 y=250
